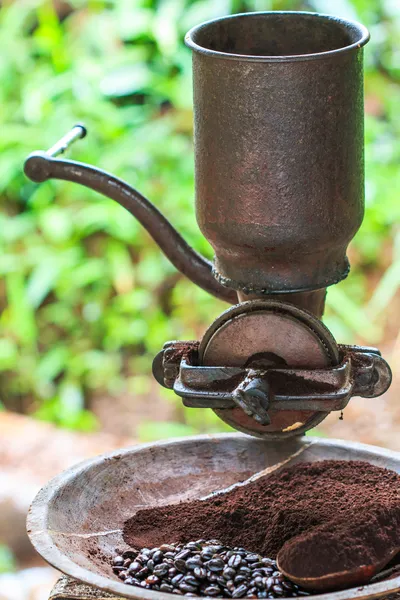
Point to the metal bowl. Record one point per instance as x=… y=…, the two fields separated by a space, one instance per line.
x=75 y=521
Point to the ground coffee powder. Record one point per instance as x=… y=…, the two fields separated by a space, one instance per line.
x=339 y=504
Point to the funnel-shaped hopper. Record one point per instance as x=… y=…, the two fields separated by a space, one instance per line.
x=279 y=142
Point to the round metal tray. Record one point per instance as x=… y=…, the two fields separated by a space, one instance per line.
x=75 y=521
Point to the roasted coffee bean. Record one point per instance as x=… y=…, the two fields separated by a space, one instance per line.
x=151 y=579
x=244 y=571
x=130 y=581
x=240 y=591
x=167 y=548
x=118 y=561
x=150 y=564
x=172 y=572
x=175 y=580
x=180 y=565
x=269 y=582
x=239 y=579
x=287 y=585
x=185 y=587
x=183 y=555
x=166 y=587
x=215 y=564
x=161 y=570
x=200 y=572
x=235 y=561
x=135 y=567
x=252 y=558
x=127 y=562
x=118 y=569
x=229 y=573
x=278 y=589
x=212 y=576
x=143 y=572
x=262 y=594
x=158 y=556
x=212 y=590
x=190 y=579
x=193 y=562
x=193 y=546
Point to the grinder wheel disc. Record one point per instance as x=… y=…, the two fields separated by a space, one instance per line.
x=262 y=333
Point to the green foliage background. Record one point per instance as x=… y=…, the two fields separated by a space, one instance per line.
x=86 y=297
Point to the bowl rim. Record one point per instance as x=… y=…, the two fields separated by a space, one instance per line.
x=41 y=537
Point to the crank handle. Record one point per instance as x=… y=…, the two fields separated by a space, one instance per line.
x=41 y=166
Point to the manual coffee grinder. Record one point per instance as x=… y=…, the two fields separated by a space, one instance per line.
x=279 y=156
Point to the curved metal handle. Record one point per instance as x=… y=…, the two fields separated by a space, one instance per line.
x=41 y=166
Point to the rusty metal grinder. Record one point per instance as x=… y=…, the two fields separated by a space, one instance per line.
x=279 y=148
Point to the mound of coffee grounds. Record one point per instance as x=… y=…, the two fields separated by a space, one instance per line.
x=265 y=514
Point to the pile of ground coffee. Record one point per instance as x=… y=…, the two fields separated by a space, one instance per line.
x=338 y=498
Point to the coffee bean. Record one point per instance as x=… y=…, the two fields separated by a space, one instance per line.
x=150 y=564
x=216 y=564
x=180 y=565
x=269 y=582
x=234 y=561
x=193 y=562
x=200 y=572
x=158 y=556
x=152 y=579
x=183 y=555
x=118 y=561
x=167 y=548
x=130 y=581
x=143 y=572
x=252 y=558
x=166 y=587
x=185 y=587
x=212 y=576
x=190 y=579
x=278 y=589
x=135 y=567
x=193 y=546
x=161 y=570
x=229 y=573
x=244 y=571
x=240 y=591
x=239 y=579
x=212 y=590
x=175 y=580
x=172 y=572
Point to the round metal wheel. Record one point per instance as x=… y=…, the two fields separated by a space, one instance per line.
x=266 y=333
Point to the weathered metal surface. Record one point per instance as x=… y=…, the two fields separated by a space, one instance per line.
x=263 y=357
x=41 y=166
x=278 y=101
x=75 y=521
